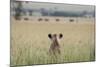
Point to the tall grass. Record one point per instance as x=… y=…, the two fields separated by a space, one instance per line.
x=30 y=43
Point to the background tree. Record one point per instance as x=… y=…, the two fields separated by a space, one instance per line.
x=18 y=10
x=30 y=12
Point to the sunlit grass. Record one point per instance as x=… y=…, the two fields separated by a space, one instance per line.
x=30 y=43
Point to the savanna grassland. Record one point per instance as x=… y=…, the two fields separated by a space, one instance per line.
x=30 y=43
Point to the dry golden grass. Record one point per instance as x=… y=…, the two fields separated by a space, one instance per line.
x=30 y=42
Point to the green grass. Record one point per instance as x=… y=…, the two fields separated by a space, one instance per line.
x=30 y=43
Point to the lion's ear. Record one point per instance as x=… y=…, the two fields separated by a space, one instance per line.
x=60 y=35
x=50 y=36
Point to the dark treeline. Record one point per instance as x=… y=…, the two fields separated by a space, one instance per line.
x=45 y=12
x=66 y=14
x=55 y=13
